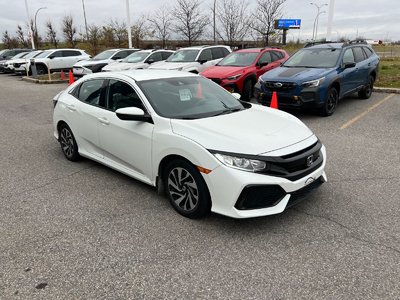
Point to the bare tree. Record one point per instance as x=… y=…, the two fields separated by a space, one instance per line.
x=108 y=37
x=162 y=22
x=94 y=33
x=264 y=16
x=140 y=30
x=233 y=18
x=51 y=34
x=21 y=37
x=69 y=30
x=190 y=22
x=121 y=34
x=9 y=41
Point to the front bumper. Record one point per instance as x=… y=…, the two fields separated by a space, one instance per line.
x=227 y=186
x=81 y=71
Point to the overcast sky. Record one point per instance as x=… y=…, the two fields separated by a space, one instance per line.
x=370 y=19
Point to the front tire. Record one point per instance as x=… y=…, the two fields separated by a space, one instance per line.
x=68 y=143
x=247 y=90
x=41 y=70
x=366 y=92
x=331 y=102
x=186 y=189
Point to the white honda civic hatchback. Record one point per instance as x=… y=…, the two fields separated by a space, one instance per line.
x=189 y=137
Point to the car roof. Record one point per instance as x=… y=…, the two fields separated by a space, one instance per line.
x=203 y=47
x=142 y=75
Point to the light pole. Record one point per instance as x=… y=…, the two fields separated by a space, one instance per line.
x=315 y=28
x=29 y=24
x=215 y=40
x=128 y=18
x=36 y=31
x=84 y=15
x=330 y=19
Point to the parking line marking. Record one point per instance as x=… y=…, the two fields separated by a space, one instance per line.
x=356 y=118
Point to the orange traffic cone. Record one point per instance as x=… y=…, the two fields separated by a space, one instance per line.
x=62 y=75
x=274 y=101
x=71 y=77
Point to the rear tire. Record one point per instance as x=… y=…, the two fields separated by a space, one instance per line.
x=330 y=103
x=366 y=92
x=247 y=92
x=186 y=189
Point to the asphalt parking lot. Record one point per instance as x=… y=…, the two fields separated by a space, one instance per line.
x=83 y=231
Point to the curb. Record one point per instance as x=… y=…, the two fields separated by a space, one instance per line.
x=39 y=81
x=386 y=90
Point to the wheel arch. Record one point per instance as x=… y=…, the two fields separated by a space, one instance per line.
x=43 y=65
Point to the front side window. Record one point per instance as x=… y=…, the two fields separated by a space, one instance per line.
x=165 y=55
x=314 y=58
x=136 y=57
x=265 y=58
x=120 y=95
x=44 y=54
x=55 y=54
x=187 y=55
x=205 y=55
x=90 y=91
x=217 y=52
x=154 y=57
x=348 y=56
x=188 y=97
x=104 y=55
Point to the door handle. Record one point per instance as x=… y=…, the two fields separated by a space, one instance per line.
x=103 y=121
x=71 y=107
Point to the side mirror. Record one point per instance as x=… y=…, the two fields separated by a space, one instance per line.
x=263 y=64
x=236 y=95
x=133 y=114
x=150 y=61
x=202 y=61
x=349 y=65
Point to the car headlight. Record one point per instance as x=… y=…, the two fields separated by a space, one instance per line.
x=241 y=163
x=314 y=83
x=234 y=77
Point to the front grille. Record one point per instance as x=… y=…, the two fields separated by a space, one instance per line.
x=277 y=86
x=262 y=196
x=296 y=165
x=216 y=80
x=16 y=65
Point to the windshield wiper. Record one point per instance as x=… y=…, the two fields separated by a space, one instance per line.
x=227 y=111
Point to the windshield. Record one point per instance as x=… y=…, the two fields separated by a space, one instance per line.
x=33 y=54
x=239 y=59
x=188 y=98
x=314 y=58
x=136 y=57
x=183 y=56
x=104 y=55
x=44 y=54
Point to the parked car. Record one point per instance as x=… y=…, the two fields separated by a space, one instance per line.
x=21 y=65
x=320 y=75
x=58 y=59
x=9 y=53
x=139 y=60
x=95 y=64
x=239 y=71
x=189 y=137
x=193 y=59
x=4 y=64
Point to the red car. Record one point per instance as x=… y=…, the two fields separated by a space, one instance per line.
x=238 y=72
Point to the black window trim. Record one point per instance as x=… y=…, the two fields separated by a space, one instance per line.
x=75 y=92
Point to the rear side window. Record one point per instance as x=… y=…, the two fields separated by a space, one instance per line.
x=217 y=53
x=275 y=55
x=358 y=54
x=90 y=92
x=225 y=51
x=67 y=53
x=368 y=51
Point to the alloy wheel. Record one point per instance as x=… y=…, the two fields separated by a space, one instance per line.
x=67 y=142
x=183 y=189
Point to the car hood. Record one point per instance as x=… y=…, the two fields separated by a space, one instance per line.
x=90 y=62
x=172 y=65
x=257 y=130
x=295 y=74
x=125 y=66
x=221 y=71
x=20 y=60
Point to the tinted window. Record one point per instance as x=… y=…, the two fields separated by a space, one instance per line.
x=67 y=53
x=120 y=95
x=359 y=54
x=275 y=55
x=165 y=55
x=225 y=51
x=217 y=53
x=155 y=57
x=205 y=55
x=314 y=58
x=90 y=91
x=368 y=51
x=136 y=57
x=104 y=55
x=348 y=56
x=187 y=55
x=265 y=58
x=121 y=54
x=55 y=54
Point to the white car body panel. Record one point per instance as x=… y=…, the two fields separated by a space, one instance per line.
x=184 y=66
x=121 y=66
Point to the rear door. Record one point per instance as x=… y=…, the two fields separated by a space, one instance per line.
x=70 y=57
x=362 y=64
